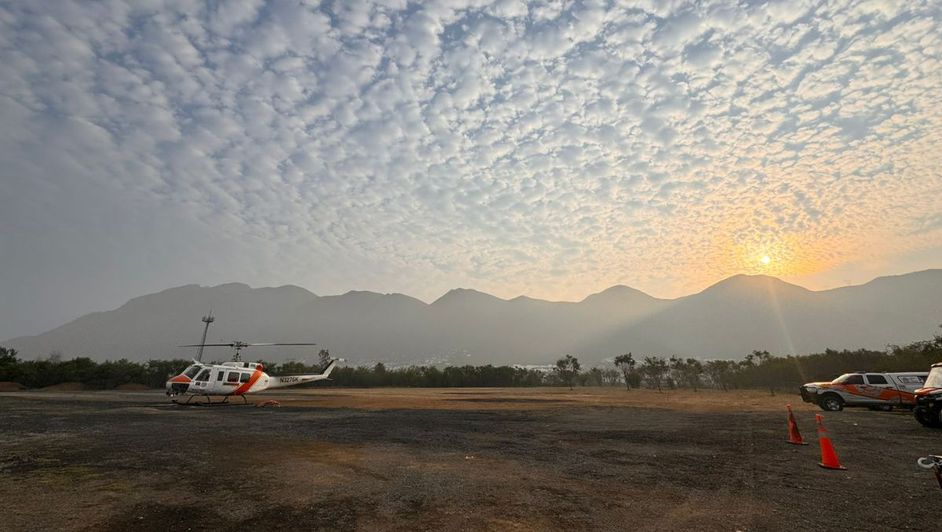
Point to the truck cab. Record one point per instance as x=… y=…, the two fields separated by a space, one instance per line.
x=928 y=410
x=870 y=389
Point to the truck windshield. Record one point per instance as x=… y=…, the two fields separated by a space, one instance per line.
x=934 y=380
x=849 y=378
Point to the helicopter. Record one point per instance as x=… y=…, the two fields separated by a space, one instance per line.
x=235 y=378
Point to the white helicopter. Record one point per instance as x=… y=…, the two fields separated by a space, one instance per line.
x=235 y=378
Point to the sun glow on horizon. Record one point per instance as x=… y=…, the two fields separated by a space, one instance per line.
x=785 y=256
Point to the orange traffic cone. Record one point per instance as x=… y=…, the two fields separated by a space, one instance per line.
x=828 y=456
x=794 y=437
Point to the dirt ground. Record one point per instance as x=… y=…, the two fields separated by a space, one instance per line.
x=457 y=459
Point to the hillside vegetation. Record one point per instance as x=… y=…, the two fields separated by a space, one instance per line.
x=760 y=369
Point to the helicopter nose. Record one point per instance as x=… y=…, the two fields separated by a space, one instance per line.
x=176 y=388
x=177 y=385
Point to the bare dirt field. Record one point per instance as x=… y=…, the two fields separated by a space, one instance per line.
x=498 y=459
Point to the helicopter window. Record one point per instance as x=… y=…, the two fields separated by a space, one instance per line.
x=233 y=376
x=204 y=375
x=191 y=371
x=245 y=377
x=219 y=375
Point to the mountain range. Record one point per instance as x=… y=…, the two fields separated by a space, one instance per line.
x=726 y=320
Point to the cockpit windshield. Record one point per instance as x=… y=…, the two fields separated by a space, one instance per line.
x=192 y=371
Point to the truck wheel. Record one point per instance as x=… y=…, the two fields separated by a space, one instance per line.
x=927 y=417
x=831 y=403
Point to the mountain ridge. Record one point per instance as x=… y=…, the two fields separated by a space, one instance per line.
x=728 y=318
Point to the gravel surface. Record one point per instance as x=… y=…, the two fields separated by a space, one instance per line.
x=123 y=461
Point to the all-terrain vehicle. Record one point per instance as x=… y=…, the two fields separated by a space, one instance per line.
x=928 y=409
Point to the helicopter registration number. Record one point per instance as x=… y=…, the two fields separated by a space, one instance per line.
x=290 y=380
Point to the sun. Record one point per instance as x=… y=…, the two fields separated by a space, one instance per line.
x=766 y=260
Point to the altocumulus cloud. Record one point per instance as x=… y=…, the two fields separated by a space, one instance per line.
x=548 y=148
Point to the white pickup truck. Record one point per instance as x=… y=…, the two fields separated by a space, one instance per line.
x=878 y=390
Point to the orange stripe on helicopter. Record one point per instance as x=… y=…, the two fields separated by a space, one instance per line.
x=245 y=387
x=181 y=378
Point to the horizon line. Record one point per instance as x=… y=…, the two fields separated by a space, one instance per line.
x=520 y=296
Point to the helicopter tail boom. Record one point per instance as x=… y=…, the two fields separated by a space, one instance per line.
x=292 y=380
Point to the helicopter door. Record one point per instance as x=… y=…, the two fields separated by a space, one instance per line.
x=202 y=380
x=217 y=383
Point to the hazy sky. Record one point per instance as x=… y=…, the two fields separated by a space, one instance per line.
x=552 y=149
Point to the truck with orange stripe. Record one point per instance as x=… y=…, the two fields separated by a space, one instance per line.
x=928 y=409
x=875 y=390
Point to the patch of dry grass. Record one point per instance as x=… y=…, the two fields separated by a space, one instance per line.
x=544 y=398
x=536 y=399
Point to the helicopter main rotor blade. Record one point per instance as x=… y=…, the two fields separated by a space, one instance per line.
x=207 y=345
x=279 y=344
x=240 y=344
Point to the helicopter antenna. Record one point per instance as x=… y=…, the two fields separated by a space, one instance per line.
x=207 y=320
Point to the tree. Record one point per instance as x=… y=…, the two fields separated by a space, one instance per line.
x=567 y=368
x=762 y=356
x=653 y=369
x=592 y=377
x=720 y=372
x=625 y=363
x=323 y=358
x=610 y=377
x=759 y=367
x=9 y=364
x=677 y=368
x=294 y=367
x=693 y=369
x=378 y=378
x=7 y=355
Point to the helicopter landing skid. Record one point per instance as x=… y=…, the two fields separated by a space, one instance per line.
x=209 y=402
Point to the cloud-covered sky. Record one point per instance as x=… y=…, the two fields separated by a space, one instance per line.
x=551 y=148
